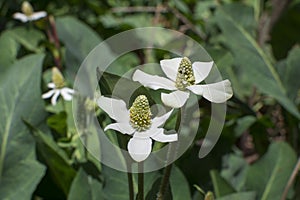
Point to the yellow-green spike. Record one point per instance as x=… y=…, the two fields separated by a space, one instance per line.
x=185 y=75
x=27 y=8
x=140 y=114
x=57 y=78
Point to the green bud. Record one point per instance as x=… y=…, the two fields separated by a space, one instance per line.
x=209 y=196
x=140 y=114
x=57 y=78
x=27 y=8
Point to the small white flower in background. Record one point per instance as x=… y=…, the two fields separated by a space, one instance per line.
x=136 y=122
x=28 y=13
x=58 y=88
x=183 y=77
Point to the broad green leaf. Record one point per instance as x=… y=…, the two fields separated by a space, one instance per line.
x=28 y=37
x=179 y=185
x=242 y=14
x=234 y=170
x=292 y=73
x=9 y=48
x=239 y=196
x=58 y=122
x=269 y=175
x=221 y=186
x=85 y=187
x=55 y=158
x=20 y=98
x=116 y=183
x=78 y=39
x=243 y=124
x=252 y=60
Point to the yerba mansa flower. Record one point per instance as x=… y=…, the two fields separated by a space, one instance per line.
x=184 y=77
x=137 y=122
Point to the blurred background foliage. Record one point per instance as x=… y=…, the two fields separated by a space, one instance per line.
x=255 y=44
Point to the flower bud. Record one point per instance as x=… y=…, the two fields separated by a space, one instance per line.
x=27 y=8
x=57 y=78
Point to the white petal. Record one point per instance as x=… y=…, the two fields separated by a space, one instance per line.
x=215 y=92
x=48 y=94
x=158 y=121
x=37 y=15
x=153 y=81
x=201 y=70
x=65 y=93
x=175 y=99
x=69 y=90
x=51 y=85
x=55 y=96
x=148 y=133
x=20 y=16
x=161 y=137
x=115 y=108
x=170 y=67
x=124 y=128
x=139 y=148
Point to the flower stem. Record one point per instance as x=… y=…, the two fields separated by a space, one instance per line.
x=165 y=180
x=140 y=195
x=130 y=186
x=122 y=142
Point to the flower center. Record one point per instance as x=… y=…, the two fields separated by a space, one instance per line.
x=27 y=8
x=140 y=114
x=57 y=78
x=185 y=75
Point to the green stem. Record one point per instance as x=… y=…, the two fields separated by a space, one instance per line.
x=130 y=186
x=140 y=195
x=122 y=142
x=167 y=173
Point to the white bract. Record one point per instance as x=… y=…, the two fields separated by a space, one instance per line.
x=184 y=77
x=28 y=14
x=57 y=88
x=137 y=122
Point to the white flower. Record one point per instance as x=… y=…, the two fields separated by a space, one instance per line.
x=58 y=88
x=28 y=14
x=183 y=77
x=136 y=121
x=65 y=92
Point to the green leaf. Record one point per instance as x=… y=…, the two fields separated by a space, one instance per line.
x=242 y=14
x=269 y=176
x=252 y=60
x=116 y=183
x=78 y=44
x=179 y=185
x=234 y=170
x=20 y=98
x=292 y=73
x=29 y=38
x=58 y=122
x=9 y=48
x=221 y=186
x=243 y=124
x=239 y=196
x=85 y=187
x=59 y=166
